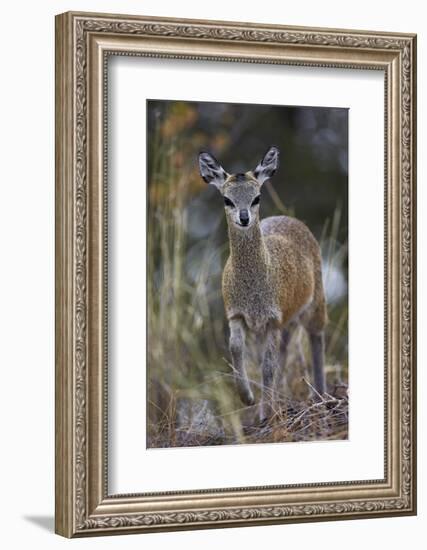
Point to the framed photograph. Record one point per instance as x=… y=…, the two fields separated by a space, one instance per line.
x=235 y=274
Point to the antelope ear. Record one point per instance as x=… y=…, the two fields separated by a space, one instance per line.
x=268 y=165
x=211 y=170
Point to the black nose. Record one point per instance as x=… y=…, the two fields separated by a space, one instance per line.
x=244 y=217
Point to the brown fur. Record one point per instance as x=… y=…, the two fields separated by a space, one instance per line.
x=272 y=279
x=280 y=271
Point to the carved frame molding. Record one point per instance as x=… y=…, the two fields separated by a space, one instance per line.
x=83 y=43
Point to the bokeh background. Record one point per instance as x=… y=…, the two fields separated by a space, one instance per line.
x=191 y=396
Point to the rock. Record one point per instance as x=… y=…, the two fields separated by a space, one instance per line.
x=197 y=423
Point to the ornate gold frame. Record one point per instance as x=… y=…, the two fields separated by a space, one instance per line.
x=83 y=42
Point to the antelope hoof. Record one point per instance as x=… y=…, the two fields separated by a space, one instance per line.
x=265 y=414
x=247 y=397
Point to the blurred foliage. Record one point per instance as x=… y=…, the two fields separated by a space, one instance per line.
x=188 y=243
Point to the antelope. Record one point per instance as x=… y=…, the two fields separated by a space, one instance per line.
x=271 y=282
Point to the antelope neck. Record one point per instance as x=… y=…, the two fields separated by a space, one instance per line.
x=247 y=249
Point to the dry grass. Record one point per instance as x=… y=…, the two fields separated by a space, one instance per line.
x=191 y=395
x=314 y=419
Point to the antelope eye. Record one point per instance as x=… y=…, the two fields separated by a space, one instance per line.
x=255 y=201
x=228 y=202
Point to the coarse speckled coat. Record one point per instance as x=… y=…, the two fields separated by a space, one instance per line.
x=272 y=279
x=274 y=275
